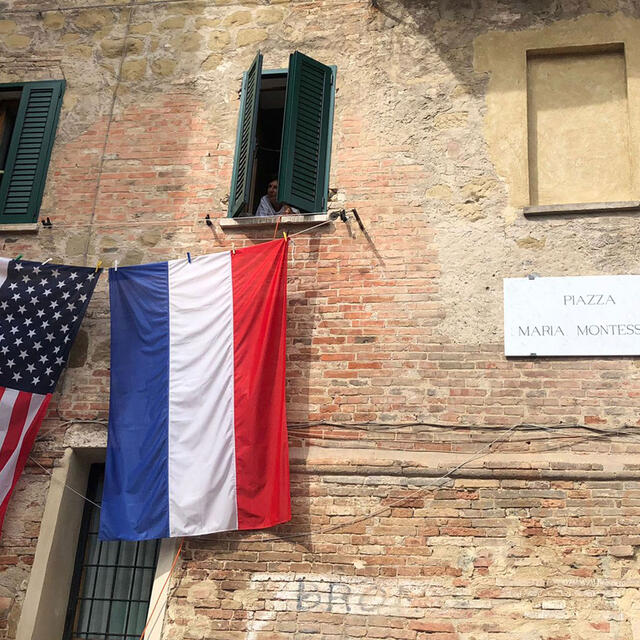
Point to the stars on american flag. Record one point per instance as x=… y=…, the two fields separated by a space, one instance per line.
x=41 y=306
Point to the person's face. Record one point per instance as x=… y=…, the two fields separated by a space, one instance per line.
x=272 y=190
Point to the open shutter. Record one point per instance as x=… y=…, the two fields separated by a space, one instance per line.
x=29 y=152
x=303 y=176
x=246 y=138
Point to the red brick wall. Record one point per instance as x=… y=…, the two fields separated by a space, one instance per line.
x=537 y=538
x=487 y=557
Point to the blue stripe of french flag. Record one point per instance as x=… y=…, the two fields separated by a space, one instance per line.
x=197 y=428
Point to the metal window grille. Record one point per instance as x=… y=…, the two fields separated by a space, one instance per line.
x=112 y=581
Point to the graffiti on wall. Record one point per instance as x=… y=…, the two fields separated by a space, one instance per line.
x=345 y=594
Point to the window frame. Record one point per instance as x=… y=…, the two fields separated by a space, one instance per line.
x=75 y=595
x=44 y=608
x=44 y=155
x=332 y=99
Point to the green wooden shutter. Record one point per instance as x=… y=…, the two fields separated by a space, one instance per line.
x=246 y=138
x=304 y=175
x=29 y=151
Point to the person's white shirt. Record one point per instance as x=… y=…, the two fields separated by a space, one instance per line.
x=265 y=208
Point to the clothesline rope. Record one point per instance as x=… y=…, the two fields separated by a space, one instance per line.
x=290 y=235
x=95 y=504
x=162 y=222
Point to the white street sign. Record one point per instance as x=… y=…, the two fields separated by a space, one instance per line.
x=572 y=316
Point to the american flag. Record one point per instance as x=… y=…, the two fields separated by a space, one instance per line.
x=41 y=308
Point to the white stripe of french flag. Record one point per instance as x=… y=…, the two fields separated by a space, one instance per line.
x=197 y=426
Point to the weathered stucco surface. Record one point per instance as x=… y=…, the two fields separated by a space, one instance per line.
x=402 y=323
x=570 y=159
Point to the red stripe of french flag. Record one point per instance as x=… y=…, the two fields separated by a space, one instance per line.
x=259 y=277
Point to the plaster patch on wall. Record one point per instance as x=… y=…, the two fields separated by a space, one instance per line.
x=503 y=55
x=481 y=230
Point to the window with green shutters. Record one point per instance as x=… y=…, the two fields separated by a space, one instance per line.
x=28 y=119
x=284 y=131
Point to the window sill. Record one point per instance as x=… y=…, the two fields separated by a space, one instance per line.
x=582 y=207
x=22 y=227
x=253 y=222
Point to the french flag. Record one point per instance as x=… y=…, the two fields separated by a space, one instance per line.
x=197 y=437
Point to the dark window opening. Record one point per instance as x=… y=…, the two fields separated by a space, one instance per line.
x=9 y=102
x=284 y=128
x=112 y=581
x=273 y=90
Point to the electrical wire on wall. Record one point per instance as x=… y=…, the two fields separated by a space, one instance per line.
x=505 y=435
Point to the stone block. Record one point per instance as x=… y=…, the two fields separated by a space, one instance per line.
x=237 y=18
x=623 y=551
x=134 y=69
x=219 y=40
x=208 y=22
x=529 y=242
x=102 y=352
x=175 y=22
x=112 y=47
x=211 y=62
x=5 y=607
x=439 y=192
x=78 y=353
x=53 y=20
x=151 y=237
x=16 y=41
x=142 y=28
x=93 y=19
x=7 y=26
x=250 y=36
x=80 y=51
x=163 y=66
x=190 y=41
x=269 y=15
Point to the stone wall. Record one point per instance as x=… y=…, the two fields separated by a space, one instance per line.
x=400 y=324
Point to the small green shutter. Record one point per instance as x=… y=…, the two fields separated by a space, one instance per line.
x=303 y=175
x=246 y=138
x=29 y=151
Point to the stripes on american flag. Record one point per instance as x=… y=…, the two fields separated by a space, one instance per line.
x=41 y=308
x=21 y=414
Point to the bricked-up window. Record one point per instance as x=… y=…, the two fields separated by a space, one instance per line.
x=578 y=126
x=112 y=581
x=284 y=129
x=28 y=120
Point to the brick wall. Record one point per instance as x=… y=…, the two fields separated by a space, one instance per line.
x=486 y=557
x=400 y=324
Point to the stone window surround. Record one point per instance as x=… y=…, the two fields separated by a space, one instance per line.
x=255 y=222
x=45 y=605
x=503 y=55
